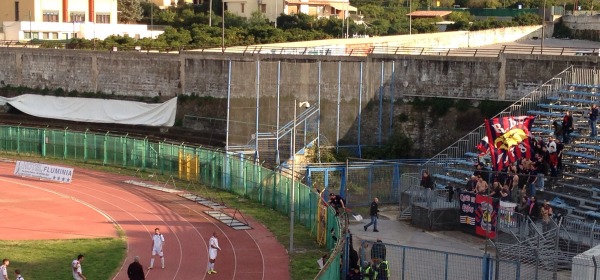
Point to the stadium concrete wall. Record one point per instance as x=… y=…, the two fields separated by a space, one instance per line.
x=345 y=85
x=507 y=77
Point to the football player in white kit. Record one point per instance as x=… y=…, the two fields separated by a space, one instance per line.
x=158 y=240
x=213 y=248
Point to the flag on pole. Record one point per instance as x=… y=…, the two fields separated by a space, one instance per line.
x=508 y=139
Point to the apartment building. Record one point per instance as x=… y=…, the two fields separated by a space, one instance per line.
x=24 y=20
x=273 y=8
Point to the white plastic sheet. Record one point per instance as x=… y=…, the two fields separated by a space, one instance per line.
x=95 y=110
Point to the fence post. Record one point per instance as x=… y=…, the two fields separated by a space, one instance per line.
x=537 y=257
x=346 y=263
x=518 y=271
x=446 y=268
x=44 y=142
x=403 y=261
x=485 y=269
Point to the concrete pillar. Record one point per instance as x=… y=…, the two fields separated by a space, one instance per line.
x=19 y=65
x=181 y=74
x=95 y=74
x=502 y=77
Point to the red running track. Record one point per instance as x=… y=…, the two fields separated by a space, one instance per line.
x=95 y=203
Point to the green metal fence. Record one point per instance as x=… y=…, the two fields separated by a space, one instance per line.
x=209 y=167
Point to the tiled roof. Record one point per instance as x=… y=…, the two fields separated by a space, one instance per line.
x=430 y=13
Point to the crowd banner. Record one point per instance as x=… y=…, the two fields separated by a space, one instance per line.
x=467 y=208
x=486 y=216
x=44 y=171
x=506 y=215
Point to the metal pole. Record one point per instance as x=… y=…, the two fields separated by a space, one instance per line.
x=257 y=107
x=343 y=21
x=409 y=17
x=223 y=26
x=392 y=100
x=381 y=83
x=30 y=29
x=277 y=160
x=543 y=24
x=337 y=123
x=210 y=13
x=347 y=21
x=360 y=91
x=292 y=196
x=319 y=116
x=276 y=13
x=228 y=107
x=151 y=20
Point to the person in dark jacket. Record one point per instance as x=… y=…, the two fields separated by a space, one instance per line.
x=426 y=180
x=135 y=271
x=567 y=127
x=378 y=251
x=373 y=212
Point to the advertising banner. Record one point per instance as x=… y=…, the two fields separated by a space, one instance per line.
x=44 y=171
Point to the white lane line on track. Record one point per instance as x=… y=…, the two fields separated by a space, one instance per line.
x=159 y=218
x=114 y=205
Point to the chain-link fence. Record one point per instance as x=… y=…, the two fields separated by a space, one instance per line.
x=208 y=167
x=415 y=263
x=551 y=249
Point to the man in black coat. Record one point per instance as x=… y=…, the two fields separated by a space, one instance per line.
x=373 y=212
x=135 y=271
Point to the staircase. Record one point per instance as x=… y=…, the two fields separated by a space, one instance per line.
x=273 y=149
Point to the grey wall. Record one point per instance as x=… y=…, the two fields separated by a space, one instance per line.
x=357 y=81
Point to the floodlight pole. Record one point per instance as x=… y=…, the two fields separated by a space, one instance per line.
x=293 y=187
x=223 y=26
x=543 y=24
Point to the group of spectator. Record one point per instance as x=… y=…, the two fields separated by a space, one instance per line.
x=375 y=268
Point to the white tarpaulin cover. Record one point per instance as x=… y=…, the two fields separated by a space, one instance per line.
x=95 y=110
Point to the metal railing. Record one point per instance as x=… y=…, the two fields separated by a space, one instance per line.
x=468 y=142
x=402 y=50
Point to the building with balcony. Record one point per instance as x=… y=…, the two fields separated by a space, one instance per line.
x=24 y=20
x=273 y=8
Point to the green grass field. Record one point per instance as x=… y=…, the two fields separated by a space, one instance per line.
x=51 y=259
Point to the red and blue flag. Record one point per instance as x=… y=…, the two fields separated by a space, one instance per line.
x=508 y=139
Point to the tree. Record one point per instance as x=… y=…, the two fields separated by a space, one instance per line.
x=130 y=11
x=527 y=19
x=175 y=38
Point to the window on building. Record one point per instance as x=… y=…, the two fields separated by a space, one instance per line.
x=17 y=10
x=46 y=35
x=50 y=16
x=78 y=17
x=31 y=35
x=263 y=8
x=102 y=18
x=54 y=35
x=242 y=7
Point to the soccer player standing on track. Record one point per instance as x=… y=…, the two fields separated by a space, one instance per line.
x=213 y=248
x=158 y=240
